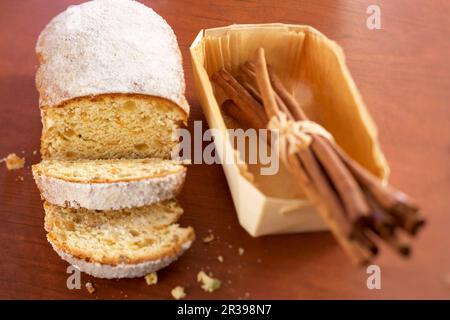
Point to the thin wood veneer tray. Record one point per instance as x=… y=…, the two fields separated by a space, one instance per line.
x=313 y=68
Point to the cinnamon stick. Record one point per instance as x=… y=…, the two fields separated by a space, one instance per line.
x=387 y=199
x=351 y=194
x=358 y=251
x=263 y=82
x=243 y=100
x=248 y=84
x=348 y=189
x=336 y=224
x=355 y=204
x=392 y=241
x=247 y=77
x=232 y=110
x=317 y=180
x=280 y=90
x=393 y=201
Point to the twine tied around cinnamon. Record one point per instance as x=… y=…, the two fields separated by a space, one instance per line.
x=295 y=135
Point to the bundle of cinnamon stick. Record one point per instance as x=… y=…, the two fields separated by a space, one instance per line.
x=359 y=209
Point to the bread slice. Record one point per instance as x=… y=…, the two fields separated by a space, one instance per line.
x=108 y=184
x=118 y=244
x=110 y=82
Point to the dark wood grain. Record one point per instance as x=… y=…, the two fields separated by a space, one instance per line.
x=403 y=72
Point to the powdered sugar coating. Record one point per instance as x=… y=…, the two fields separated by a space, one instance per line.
x=106 y=47
x=111 y=195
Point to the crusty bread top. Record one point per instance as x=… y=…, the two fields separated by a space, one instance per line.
x=106 y=47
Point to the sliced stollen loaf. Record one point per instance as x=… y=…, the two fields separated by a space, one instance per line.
x=118 y=244
x=108 y=184
x=111 y=83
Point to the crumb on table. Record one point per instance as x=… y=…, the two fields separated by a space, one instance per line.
x=220 y=258
x=151 y=278
x=14 y=162
x=241 y=251
x=178 y=293
x=209 y=238
x=209 y=284
x=90 y=287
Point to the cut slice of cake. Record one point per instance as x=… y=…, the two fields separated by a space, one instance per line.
x=118 y=244
x=110 y=126
x=108 y=184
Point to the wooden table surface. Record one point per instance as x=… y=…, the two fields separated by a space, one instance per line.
x=403 y=73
